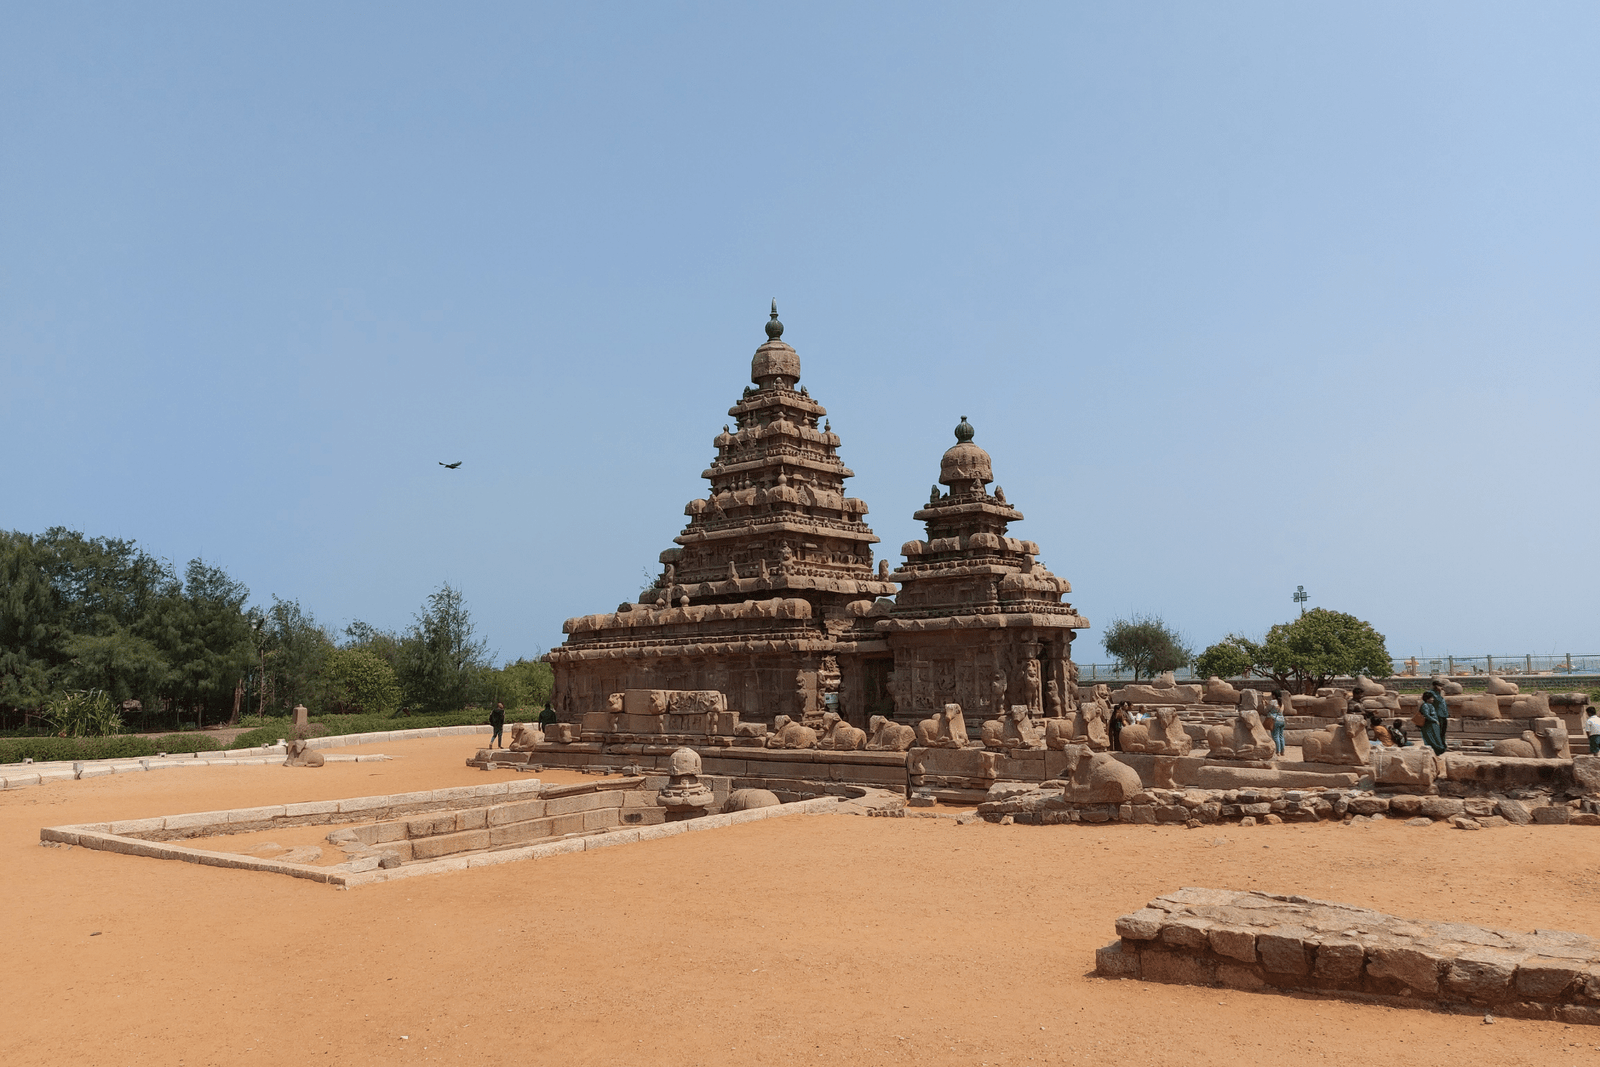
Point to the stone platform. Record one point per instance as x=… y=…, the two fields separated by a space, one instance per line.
x=1261 y=942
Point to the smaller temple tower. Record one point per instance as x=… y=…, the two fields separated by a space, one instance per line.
x=978 y=620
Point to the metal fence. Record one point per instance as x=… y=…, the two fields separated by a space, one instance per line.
x=1410 y=666
x=1566 y=663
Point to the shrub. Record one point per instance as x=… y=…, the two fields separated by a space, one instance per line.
x=83 y=713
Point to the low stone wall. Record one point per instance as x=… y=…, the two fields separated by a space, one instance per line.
x=448 y=813
x=1261 y=942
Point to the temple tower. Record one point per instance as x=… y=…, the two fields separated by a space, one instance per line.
x=978 y=621
x=767 y=594
x=776 y=521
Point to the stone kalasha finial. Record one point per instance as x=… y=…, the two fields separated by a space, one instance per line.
x=774 y=327
x=964 y=432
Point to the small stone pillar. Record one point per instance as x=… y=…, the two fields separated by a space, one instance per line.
x=302 y=717
x=685 y=796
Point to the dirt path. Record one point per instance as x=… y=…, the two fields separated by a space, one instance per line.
x=816 y=940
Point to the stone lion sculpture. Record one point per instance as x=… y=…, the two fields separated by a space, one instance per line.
x=1248 y=739
x=839 y=735
x=1343 y=742
x=1097 y=778
x=748 y=799
x=1085 y=726
x=786 y=733
x=1162 y=735
x=1544 y=741
x=301 y=756
x=1499 y=687
x=524 y=736
x=889 y=736
x=1016 y=729
x=948 y=729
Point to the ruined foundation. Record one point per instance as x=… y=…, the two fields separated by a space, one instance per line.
x=1260 y=942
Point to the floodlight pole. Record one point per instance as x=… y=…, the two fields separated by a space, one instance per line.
x=1300 y=597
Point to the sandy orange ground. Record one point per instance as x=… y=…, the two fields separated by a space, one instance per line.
x=815 y=940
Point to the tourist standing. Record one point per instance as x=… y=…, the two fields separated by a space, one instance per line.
x=1115 y=724
x=1275 y=719
x=1432 y=735
x=547 y=717
x=497 y=719
x=1591 y=727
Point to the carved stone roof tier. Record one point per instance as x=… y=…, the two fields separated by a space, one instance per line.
x=968 y=566
x=776 y=520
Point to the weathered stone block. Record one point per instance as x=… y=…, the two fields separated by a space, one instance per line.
x=448 y=844
x=1586 y=773
x=1547 y=979
x=1417 y=970
x=1233 y=943
x=1482 y=974
x=1284 y=951
x=1367 y=805
x=1340 y=962
x=1514 y=812
x=1552 y=815
x=1142 y=925
x=1440 y=807
x=1113 y=962
x=1185 y=932
x=1508 y=771
x=1157 y=966
x=1238 y=976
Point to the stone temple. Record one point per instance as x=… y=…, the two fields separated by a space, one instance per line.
x=771 y=597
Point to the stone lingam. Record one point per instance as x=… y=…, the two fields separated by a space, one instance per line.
x=685 y=796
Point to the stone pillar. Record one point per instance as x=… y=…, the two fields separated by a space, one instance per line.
x=301 y=717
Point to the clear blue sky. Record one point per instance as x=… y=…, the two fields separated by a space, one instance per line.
x=1239 y=296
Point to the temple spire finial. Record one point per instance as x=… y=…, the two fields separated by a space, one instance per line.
x=774 y=327
x=964 y=432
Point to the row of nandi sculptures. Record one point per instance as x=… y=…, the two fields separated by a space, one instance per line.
x=1161 y=734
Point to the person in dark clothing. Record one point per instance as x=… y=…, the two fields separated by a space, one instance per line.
x=497 y=719
x=1432 y=736
x=1397 y=732
x=1115 y=725
x=548 y=715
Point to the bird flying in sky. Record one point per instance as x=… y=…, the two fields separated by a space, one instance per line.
x=449 y=466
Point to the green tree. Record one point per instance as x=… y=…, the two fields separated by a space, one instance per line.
x=358 y=680
x=1321 y=645
x=205 y=635
x=296 y=651
x=29 y=621
x=535 y=680
x=1145 y=645
x=440 y=660
x=1232 y=657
